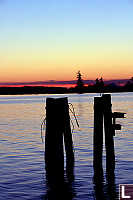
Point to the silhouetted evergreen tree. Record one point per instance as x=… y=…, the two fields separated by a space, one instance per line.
x=97 y=82
x=99 y=85
x=131 y=79
x=80 y=84
x=129 y=85
x=101 y=82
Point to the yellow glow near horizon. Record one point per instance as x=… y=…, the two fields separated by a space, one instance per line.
x=53 y=40
x=64 y=65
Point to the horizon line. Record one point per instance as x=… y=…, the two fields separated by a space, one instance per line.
x=53 y=82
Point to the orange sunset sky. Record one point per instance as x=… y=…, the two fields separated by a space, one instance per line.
x=52 y=40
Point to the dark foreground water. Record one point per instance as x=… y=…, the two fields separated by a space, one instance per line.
x=22 y=166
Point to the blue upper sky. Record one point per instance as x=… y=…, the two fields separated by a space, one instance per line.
x=84 y=17
x=54 y=27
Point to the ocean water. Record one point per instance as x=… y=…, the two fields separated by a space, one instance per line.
x=22 y=164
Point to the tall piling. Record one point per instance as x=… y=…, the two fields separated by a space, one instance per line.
x=98 y=137
x=68 y=141
x=58 y=128
x=109 y=132
x=54 y=155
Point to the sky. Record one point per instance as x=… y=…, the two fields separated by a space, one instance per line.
x=42 y=40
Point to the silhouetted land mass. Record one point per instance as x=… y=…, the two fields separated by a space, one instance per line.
x=32 y=90
x=62 y=90
x=98 y=87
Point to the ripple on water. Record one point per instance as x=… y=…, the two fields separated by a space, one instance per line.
x=22 y=166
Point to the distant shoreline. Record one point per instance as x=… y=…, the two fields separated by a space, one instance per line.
x=62 y=90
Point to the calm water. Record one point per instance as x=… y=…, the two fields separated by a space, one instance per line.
x=22 y=166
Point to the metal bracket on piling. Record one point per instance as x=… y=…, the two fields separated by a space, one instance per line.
x=114 y=116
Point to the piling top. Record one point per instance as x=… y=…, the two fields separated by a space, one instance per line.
x=53 y=100
x=106 y=95
x=56 y=101
x=98 y=100
x=56 y=110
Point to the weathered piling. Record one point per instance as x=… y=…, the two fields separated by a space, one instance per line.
x=68 y=141
x=57 y=126
x=109 y=132
x=98 y=136
x=103 y=110
x=54 y=155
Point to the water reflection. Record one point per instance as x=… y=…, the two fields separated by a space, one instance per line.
x=60 y=186
x=20 y=135
x=104 y=189
x=111 y=186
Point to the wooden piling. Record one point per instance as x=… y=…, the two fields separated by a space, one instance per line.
x=54 y=155
x=98 y=137
x=57 y=126
x=109 y=132
x=68 y=142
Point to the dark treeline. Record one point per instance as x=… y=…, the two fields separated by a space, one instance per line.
x=32 y=90
x=98 y=87
x=63 y=90
x=101 y=87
